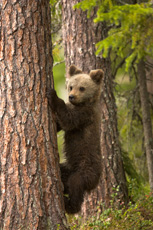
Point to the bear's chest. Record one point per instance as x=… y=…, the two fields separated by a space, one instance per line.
x=80 y=144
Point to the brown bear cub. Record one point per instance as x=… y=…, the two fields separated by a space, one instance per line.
x=80 y=119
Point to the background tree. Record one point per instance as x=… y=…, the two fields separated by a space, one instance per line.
x=30 y=186
x=146 y=117
x=79 y=46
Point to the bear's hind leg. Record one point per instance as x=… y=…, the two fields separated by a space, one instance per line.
x=65 y=173
x=76 y=193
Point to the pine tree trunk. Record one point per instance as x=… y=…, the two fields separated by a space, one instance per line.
x=146 y=117
x=30 y=186
x=80 y=36
x=149 y=76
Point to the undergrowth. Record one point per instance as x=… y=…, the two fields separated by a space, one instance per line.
x=137 y=215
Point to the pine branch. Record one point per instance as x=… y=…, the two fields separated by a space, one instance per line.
x=58 y=63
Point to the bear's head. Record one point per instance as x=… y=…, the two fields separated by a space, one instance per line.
x=84 y=88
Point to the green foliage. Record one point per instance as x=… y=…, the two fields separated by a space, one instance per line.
x=136 y=216
x=59 y=84
x=103 y=5
x=130 y=128
x=56 y=15
x=56 y=21
x=131 y=28
x=136 y=190
x=59 y=78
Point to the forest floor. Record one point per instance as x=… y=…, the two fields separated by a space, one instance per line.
x=137 y=216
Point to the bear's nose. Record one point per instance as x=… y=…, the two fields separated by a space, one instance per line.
x=71 y=97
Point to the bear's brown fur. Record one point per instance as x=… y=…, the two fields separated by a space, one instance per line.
x=80 y=119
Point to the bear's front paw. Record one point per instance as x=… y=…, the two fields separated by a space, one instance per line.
x=52 y=97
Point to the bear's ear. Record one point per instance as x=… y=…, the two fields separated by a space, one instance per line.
x=73 y=70
x=96 y=75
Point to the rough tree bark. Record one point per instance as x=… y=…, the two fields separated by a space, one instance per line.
x=146 y=117
x=80 y=36
x=30 y=185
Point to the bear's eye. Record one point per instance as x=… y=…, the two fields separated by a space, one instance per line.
x=82 y=89
x=71 y=88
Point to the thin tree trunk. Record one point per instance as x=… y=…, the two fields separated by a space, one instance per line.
x=80 y=36
x=146 y=117
x=149 y=75
x=30 y=186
